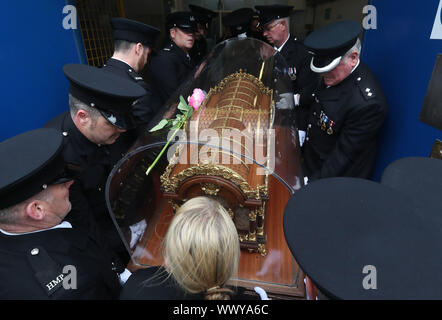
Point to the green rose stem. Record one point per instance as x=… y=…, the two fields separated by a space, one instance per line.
x=184 y=119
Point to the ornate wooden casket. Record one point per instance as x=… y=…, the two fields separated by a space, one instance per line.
x=237 y=113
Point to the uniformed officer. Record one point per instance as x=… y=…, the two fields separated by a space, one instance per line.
x=349 y=106
x=239 y=22
x=100 y=110
x=357 y=239
x=256 y=28
x=172 y=65
x=203 y=18
x=133 y=43
x=43 y=255
x=275 y=22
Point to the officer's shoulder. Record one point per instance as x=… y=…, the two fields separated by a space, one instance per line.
x=367 y=85
x=48 y=273
x=164 y=54
x=134 y=75
x=59 y=123
x=298 y=43
x=170 y=48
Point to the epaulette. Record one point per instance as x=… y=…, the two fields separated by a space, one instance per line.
x=46 y=271
x=365 y=88
x=134 y=75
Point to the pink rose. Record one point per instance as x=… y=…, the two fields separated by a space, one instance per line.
x=197 y=98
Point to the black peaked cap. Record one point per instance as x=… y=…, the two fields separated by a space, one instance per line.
x=269 y=13
x=134 y=31
x=419 y=178
x=29 y=163
x=202 y=15
x=239 y=20
x=338 y=229
x=112 y=95
x=184 y=20
x=332 y=41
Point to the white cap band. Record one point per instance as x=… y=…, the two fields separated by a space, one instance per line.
x=327 y=68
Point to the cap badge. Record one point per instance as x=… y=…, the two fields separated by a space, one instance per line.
x=112 y=119
x=192 y=18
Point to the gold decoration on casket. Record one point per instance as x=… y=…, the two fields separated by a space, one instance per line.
x=239 y=102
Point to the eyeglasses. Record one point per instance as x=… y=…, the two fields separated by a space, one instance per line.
x=269 y=28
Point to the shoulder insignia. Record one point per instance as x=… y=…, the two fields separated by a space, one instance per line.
x=365 y=88
x=48 y=273
x=134 y=75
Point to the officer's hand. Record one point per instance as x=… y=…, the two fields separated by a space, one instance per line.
x=297 y=98
x=285 y=102
x=301 y=135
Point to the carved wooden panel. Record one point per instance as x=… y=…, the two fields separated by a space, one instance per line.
x=239 y=111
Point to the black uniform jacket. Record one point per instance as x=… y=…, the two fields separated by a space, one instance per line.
x=142 y=109
x=342 y=127
x=154 y=283
x=169 y=69
x=33 y=266
x=87 y=194
x=304 y=80
x=298 y=59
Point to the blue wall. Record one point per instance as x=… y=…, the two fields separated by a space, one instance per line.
x=402 y=55
x=35 y=46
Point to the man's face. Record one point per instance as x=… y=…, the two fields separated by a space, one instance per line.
x=102 y=131
x=142 y=61
x=342 y=71
x=57 y=200
x=184 y=40
x=273 y=32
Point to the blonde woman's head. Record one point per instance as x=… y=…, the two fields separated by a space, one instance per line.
x=201 y=247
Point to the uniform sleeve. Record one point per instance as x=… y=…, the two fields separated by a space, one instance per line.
x=307 y=80
x=358 y=133
x=143 y=109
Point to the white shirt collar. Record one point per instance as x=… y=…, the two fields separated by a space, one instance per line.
x=122 y=61
x=64 y=224
x=280 y=48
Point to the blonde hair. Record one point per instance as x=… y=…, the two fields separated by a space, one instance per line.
x=201 y=248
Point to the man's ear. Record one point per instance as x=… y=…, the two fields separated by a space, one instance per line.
x=354 y=57
x=138 y=49
x=35 y=210
x=172 y=32
x=82 y=117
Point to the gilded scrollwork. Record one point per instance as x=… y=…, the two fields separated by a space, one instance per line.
x=210 y=189
x=238 y=87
